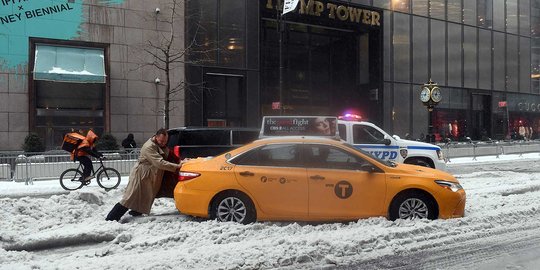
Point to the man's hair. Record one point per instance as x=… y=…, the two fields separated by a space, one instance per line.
x=161 y=131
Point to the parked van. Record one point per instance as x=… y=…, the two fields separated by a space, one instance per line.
x=362 y=135
x=209 y=141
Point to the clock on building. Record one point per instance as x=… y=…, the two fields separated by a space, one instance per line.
x=425 y=94
x=436 y=95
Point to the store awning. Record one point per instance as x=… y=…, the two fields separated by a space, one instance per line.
x=69 y=64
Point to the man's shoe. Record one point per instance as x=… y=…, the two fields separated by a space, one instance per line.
x=134 y=213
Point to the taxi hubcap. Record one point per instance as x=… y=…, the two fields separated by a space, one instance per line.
x=413 y=208
x=231 y=209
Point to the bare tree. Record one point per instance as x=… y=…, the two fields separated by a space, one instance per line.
x=170 y=51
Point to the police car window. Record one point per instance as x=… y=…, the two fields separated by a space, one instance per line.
x=279 y=155
x=366 y=134
x=342 y=131
x=329 y=157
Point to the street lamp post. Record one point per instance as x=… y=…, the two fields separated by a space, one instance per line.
x=430 y=95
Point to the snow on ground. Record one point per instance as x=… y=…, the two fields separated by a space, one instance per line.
x=68 y=231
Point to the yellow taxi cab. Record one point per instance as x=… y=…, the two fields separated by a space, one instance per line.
x=312 y=179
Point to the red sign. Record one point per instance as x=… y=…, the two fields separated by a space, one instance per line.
x=276 y=105
x=502 y=104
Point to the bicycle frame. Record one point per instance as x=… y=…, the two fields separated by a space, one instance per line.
x=95 y=172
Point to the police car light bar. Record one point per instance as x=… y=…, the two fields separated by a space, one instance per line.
x=350 y=117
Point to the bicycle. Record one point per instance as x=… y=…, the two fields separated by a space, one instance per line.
x=107 y=178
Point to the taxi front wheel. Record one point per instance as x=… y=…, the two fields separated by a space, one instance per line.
x=413 y=205
x=233 y=206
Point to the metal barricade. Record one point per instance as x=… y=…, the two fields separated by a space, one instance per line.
x=47 y=165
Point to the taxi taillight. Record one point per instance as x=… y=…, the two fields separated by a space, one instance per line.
x=184 y=176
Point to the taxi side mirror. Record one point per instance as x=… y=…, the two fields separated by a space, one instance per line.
x=368 y=168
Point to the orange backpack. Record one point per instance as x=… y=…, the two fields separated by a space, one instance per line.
x=71 y=141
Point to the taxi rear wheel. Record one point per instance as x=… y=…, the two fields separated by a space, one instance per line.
x=413 y=205
x=233 y=206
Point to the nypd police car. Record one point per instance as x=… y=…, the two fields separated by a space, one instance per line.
x=362 y=135
x=372 y=139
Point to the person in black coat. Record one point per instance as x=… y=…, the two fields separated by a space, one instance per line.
x=129 y=142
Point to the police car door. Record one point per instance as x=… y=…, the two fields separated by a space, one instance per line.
x=338 y=188
x=372 y=140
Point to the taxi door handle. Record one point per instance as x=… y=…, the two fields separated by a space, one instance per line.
x=247 y=173
x=317 y=177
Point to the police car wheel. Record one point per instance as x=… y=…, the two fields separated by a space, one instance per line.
x=413 y=205
x=233 y=206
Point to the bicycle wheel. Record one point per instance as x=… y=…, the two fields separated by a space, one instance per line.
x=108 y=178
x=69 y=180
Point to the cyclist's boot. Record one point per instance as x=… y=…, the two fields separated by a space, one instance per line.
x=116 y=213
x=87 y=180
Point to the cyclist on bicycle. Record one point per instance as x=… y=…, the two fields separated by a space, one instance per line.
x=85 y=148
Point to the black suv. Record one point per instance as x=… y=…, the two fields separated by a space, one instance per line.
x=209 y=141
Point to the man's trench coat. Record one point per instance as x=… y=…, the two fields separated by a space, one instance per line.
x=145 y=178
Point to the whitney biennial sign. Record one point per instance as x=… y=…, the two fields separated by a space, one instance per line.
x=22 y=11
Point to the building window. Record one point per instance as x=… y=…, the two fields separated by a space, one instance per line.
x=69 y=86
x=216 y=32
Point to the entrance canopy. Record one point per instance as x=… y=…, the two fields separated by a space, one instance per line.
x=69 y=64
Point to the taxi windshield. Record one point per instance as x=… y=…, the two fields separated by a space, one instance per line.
x=384 y=162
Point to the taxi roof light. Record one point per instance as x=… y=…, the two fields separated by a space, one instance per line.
x=184 y=176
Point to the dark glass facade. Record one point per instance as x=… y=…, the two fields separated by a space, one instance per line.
x=485 y=55
x=329 y=62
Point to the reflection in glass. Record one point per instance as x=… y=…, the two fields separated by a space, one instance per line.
x=499 y=21
x=438 y=9
x=454 y=10
x=524 y=65
x=485 y=13
x=535 y=18
x=454 y=54
x=401 y=44
x=469 y=57
x=499 y=50
x=535 y=65
x=469 y=12
x=512 y=16
x=401 y=113
x=202 y=29
x=420 y=7
x=401 y=5
x=438 y=52
x=512 y=66
x=484 y=59
x=420 y=49
x=524 y=17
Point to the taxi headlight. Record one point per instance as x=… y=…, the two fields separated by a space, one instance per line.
x=440 y=155
x=455 y=187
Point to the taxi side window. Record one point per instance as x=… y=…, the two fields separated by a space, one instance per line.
x=366 y=134
x=279 y=155
x=328 y=157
